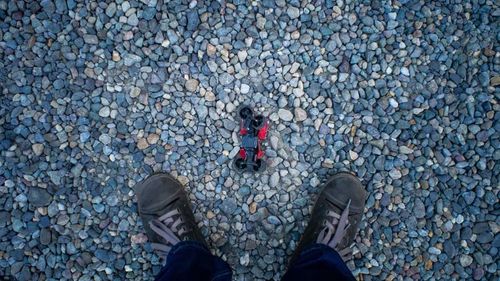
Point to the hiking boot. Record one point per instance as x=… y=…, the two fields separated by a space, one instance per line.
x=336 y=215
x=166 y=214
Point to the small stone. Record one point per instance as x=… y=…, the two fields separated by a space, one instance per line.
x=63 y=219
x=112 y=200
x=140 y=238
x=353 y=155
x=469 y=197
x=244 y=89
x=4 y=218
x=229 y=108
x=419 y=209
x=484 y=78
x=405 y=71
x=293 y=12
x=229 y=206
x=111 y=10
x=116 y=56
x=392 y=24
x=253 y=207
x=186 y=106
x=245 y=259
x=39 y=197
x=225 y=79
x=99 y=207
x=128 y=35
x=343 y=77
x=210 y=215
x=300 y=114
x=244 y=191
x=314 y=182
x=274 y=179
x=466 y=260
x=193 y=20
x=123 y=225
x=142 y=144
x=449 y=248
x=105 y=139
x=274 y=140
x=405 y=150
x=45 y=236
x=242 y=55
x=125 y=6
x=298 y=92
x=153 y=138
x=48 y=6
x=393 y=103
x=209 y=96
x=211 y=50
x=90 y=39
x=131 y=59
x=428 y=265
x=56 y=176
x=395 y=174
x=37 y=148
x=133 y=20
x=345 y=67
x=488 y=51
x=434 y=251
x=104 y=111
x=192 y=85
x=135 y=92
x=495 y=81
x=478 y=273
x=261 y=22
x=103 y=255
x=285 y=114
x=273 y=220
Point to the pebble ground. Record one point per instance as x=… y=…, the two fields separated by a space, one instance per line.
x=96 y=95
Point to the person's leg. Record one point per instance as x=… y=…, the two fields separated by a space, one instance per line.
x=330 y=233
x=172 y=230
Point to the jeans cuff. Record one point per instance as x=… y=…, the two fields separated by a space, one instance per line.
x=314 y=249
x=317 y=246
x=184 y=245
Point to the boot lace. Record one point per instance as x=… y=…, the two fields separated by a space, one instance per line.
x=335 y=229
x=169 y=228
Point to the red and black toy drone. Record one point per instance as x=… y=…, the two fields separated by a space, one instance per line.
x=253 y=131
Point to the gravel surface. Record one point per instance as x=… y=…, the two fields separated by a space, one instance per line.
x=96 y=96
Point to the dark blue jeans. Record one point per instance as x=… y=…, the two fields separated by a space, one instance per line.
x=191 y=261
